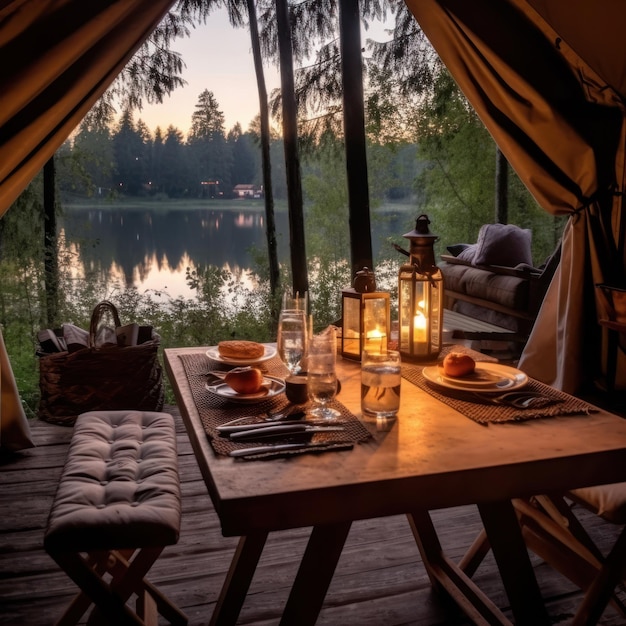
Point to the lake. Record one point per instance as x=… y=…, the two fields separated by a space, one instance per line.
x=149 y=245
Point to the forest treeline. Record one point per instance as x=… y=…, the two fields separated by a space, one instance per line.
x=124 y=158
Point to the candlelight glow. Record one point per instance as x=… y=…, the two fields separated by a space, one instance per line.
x=419 y=328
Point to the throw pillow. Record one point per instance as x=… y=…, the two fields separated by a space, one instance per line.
x=503 y=244
x=457 y=248
x=468 y=253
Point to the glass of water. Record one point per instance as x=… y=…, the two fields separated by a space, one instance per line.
x=322 y=374
x=291 y=339
x=380 y=384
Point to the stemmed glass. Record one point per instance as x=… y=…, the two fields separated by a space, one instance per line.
x=291 y=339
x=322 y=375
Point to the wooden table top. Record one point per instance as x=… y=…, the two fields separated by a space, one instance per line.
x=432 y=457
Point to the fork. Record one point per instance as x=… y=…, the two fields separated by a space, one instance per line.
x=294 y=411
x=520 y=399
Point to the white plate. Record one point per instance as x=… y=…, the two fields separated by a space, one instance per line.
x=213 y=353
x=490 y=377
x=271 y=387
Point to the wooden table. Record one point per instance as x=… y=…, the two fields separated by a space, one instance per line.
x=433 y=457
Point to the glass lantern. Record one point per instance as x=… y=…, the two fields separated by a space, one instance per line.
x=420 y=297
x=365 y=317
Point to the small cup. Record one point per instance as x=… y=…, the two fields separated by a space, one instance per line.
x=296 y=388
x=380 y=384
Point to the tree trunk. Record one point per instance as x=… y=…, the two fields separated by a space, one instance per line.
x=300 y=279
x=502 y=188
x=354 y=130
x=270 y=230
x=51 y=260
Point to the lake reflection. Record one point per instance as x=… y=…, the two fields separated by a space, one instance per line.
x=151 y=248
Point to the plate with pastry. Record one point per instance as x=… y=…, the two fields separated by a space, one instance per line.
x=461 y=372
x=240 y=352
x=248 y=385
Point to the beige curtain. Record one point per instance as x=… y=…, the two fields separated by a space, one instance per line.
x=58 y=57
x=559 y=119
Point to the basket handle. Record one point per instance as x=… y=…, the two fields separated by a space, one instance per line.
x=96 y=317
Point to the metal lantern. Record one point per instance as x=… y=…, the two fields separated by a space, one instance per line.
x=365 y=317
x=420 y=297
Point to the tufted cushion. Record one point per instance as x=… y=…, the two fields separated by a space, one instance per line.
x=503 y=244
x=119 y=487
x=607 y=501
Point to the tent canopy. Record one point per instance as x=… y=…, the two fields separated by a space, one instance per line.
x=547 y=77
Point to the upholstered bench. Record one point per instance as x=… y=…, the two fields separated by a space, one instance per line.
x=116 y=508
x=493 y=280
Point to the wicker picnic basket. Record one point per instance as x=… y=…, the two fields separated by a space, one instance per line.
x=104 y=378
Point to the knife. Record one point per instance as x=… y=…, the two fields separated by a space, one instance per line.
x=283 y=447
x=288 y=430
x=227 y=429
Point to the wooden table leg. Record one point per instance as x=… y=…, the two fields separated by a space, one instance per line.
x=238 y=579
x=445 y=575
x=315 y=574
x=509 y=550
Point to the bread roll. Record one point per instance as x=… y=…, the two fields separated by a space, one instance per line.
x=240 y=349
x=457 y=364
x=245 y=380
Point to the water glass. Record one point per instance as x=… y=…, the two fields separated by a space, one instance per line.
x=297 y=301
x=380 y=384
x=291 y=339
x=322 y=374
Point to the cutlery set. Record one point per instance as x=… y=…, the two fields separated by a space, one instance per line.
x=290 y=436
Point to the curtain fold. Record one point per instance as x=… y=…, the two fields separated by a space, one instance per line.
x=561 y=127
x=63 y=56
x=58 y=58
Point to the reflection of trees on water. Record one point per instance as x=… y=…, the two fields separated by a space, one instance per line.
x=133 y=242
x=136 y=240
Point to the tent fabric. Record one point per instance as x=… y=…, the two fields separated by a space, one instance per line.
x=552 y=97
x=58 y=58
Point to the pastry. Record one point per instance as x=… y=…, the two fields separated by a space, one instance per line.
x=457 y=364
x=240 y=349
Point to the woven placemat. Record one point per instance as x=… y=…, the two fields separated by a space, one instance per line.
x=483 y=412
x=215 y=411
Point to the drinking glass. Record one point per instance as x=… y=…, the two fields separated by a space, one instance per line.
x=292 y=338
x=321 y=373
x=298 y=301
x=380 y=384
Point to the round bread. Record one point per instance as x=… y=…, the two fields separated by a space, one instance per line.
x=240 y=349
x=244 y=379
x=457 y=364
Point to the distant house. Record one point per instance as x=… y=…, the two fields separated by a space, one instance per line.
x=247 y=191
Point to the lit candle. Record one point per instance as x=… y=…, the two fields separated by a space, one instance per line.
x=419 y=328
x=375 y=338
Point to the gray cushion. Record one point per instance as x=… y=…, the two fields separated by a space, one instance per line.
x=119 y=487
x=457 y=248
x=503 y=244
x=467 y=254
x=508 y=291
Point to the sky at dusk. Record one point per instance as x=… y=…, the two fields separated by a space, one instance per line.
x=218 y=58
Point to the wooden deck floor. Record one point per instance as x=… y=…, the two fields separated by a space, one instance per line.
x=380 y=580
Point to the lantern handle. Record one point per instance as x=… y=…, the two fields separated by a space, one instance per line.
x=401 y=249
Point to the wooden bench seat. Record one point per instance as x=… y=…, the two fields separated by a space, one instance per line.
x=116 y=508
